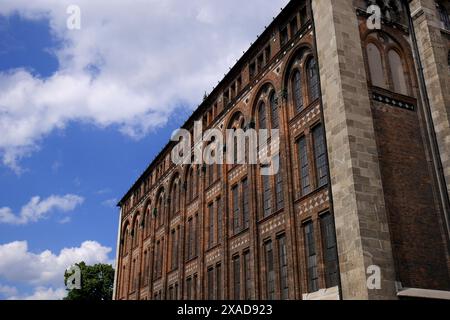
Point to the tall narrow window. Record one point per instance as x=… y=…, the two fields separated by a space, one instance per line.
x=210 y=174
x=247 y=276
x=219 y=295
x=304 y=165
x=190 y=238
x=375 y=66
x=310 y=245
x=196 y=238
x=282 y=260
x=210 y=285
x=133 y=271
x=211 y=225
x=189 y=288
x=156 y=259
x=176 y=291
x=445 y=18
x=195 y=286
x=174 y=249
x=267 y=196
x=245 y=203
x=262 y=116
x=236 y=278
x=270 y=273
x=297 y=90
x=279 y=187
x=330 y=251
x=320 y=156
x=236 y=213
x=219 y=219
x=275 y=121
x=313 y=79
x=397 y=72
x=145 y=270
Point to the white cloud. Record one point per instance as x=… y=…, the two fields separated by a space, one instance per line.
x=44 y=271
x=8 y=290
x=37 y=209
x=41 y=293
x=130 y=65
x=110 y=203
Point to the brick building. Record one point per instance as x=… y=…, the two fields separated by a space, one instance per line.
x=364 y=128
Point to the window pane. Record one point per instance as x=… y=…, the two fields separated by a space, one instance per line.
x=279 y=187
x=267 y=196
x=274 y=111
x=262 y=116
x=398 y=74
x=247 y=276
x=270 y=273
x=236 y=278
x=284 y=285
x=245 y=203
x=320 y=156
x=304 y=165
x=313 y=80
x=311 y=257
x=297 y=90
x=211 y=225
x=236 y=216
x=375 y=66
x=330 y=254
x=219 y=219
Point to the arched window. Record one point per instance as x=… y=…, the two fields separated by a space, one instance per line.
x=274 y=118
x=125 y=239
x=136 y=230
x=160 y=209
x=297 y=90
x=191 y=185
x=313 y=79
x=147 y=220
x=262 y=116
x=397 y=73
x=377 y=77
x=175 y=198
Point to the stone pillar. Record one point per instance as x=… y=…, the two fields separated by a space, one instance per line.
x=361 y=225
x=433 y=49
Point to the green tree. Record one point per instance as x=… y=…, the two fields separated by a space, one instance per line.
x=96 y=282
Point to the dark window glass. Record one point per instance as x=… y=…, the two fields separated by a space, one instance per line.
x=274 y=111
x=311 y=257
x=247 y=276
x=236 y=278
x=262 y=116
x=195 y=286
x=294 y=26
x=304 y=165
x=245 y=203
x=284 y=284
x=320 y=156
x=219 y=219
x=270 y=273
x=210 y=279
x=174 y=249
x=284 y=36
x=313 y=79
x=219 y=282
x=279 y=187
x=297 y=90
x=189 y=288
x=211 y=225
x=267 y=196
x=190 y=237
x=236 y=213
x=330 y=250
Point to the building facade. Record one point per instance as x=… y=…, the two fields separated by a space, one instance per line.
x=363 y=188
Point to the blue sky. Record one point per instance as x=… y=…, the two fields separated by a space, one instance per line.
x=78 y=139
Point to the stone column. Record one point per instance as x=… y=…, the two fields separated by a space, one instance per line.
x=433 y=49
x=359 y=208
